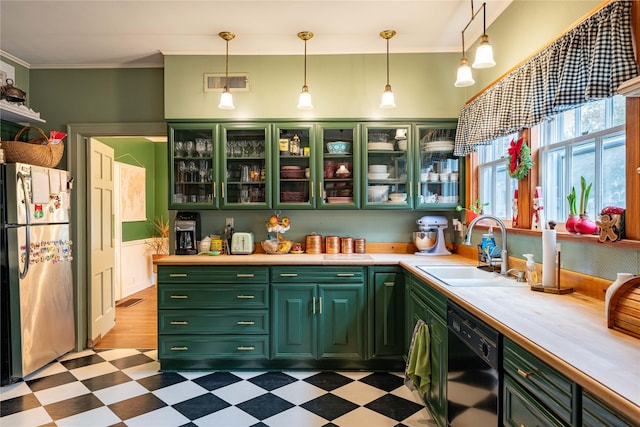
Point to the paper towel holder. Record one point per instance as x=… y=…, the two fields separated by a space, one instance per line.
x=557 y=289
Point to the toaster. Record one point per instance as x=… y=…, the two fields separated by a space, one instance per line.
x=242 y=243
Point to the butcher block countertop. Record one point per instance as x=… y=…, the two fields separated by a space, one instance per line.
x=569 y=332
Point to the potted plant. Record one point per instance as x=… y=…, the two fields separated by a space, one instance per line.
x=570 y=224
x=585 y=225
x=475 y=209
x=159 y=243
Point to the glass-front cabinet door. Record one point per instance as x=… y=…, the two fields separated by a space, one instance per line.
x=439 y=172
x=245 y=164
x=192 y=150
x=338 y=166
x=387 y=169
x=294 y=168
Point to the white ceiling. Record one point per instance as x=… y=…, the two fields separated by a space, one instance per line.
x=135 y=33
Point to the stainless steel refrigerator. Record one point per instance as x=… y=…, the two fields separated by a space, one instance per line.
x=36 y=294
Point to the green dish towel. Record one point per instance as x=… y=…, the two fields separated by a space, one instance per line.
x=418 y=369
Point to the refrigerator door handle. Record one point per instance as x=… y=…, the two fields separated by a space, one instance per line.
x=27 y=229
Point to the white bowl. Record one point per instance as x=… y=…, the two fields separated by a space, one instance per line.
x=378 y=193
x=377 y=175
x=378 y=168
x=402 y=145
x=398 y=197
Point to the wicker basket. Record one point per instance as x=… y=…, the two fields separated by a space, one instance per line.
x=39 y=151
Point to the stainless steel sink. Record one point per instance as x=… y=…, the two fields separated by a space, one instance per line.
x=467 y=276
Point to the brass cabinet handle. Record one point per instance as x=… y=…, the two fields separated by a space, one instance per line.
x=410 y=190
x=320 y=305
x=185 y=348
x=345 y=274
x=246 y=322
x=288 y=274
x=311 y=192
x=245 y=296
x=178 y=275
x=313 y=305
x=389 y=284
x=222 y=188
x=524 y=374
x=247 y=348
x=179 y=322
x=214 y=189
x=179 y=297
x=245 y=275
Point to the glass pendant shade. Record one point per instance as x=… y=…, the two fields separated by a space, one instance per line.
x=484 y=54
x=226 y=100
x=304 y=101
x=388 y=100
x=464 y=75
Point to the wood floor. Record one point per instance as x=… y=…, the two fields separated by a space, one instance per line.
x=136 y=326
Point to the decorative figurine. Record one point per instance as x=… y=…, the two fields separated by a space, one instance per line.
x=537 y=220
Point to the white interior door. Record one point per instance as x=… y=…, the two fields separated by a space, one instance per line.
x=100 y=186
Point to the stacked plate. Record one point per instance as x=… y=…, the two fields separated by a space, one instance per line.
x=435 y=146
x=387 y=146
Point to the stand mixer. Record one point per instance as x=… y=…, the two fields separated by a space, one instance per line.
x=430 y=239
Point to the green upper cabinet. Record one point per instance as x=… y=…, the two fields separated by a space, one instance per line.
x=294 y=166
x=386 y=167
x=338 y=168
x=192 y=166
x=245 y=165
x=439 y=173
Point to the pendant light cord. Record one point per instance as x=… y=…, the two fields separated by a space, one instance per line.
x=226 y=78
x=305 y=62
x=387 y=62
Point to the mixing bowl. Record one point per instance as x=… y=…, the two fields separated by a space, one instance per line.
x=425 y=240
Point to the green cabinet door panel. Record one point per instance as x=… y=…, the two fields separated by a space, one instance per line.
x=386 y=300
x=341 y=321
x=596 y=413
x=295 y=328
x=522 y=409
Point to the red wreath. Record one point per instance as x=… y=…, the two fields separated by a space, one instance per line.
x=519 y=159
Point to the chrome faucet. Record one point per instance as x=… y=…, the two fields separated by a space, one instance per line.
x=503 y=232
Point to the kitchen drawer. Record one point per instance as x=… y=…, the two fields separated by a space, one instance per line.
x=295 y=274
x=522 y=409
x=213 y=296
x=213 y=322
x=596 y=414
x=213 y=347
x=547 y=385
x=212 y=274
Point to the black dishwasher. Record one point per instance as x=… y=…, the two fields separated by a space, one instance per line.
x=473 y=382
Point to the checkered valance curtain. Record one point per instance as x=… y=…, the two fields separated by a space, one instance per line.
x=588 y=62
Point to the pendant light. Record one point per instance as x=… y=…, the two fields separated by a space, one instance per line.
x=388 y=100
x=226 y=100
x=304 y=101
x=484 y=53
x=464 y=77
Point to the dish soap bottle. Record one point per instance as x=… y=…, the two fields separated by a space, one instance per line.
x=532 y=274
x=487 y=244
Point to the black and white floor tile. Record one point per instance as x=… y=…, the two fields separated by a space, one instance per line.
x=123 y=387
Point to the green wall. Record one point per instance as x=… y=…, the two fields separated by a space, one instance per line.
x=153 y=157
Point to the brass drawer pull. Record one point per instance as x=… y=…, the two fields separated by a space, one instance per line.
x=313 y=305
x=288 y=274
x=246 y=322
x=245 y=296
x=179 y=348
x=178 y=275
x=245 y=275
x=248 y=348
x=179 y=297
x=320 y=305
x=345 y=274
x=389 y=284
x=179 y=322
x=524 y=374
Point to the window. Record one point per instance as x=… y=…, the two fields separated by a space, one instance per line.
x=495 y=186
x=588 y=141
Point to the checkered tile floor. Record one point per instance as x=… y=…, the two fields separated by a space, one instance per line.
x=123 y=387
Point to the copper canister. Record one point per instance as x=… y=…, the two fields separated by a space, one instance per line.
x=361 y=245
x=332 y=244
x=313 y=244
x=347 y=245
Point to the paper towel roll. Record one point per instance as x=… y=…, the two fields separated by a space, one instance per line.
x=549 y=257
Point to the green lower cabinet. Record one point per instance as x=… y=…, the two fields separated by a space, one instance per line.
x=424 y=304
x=523 y=409
x=596 y=414
x=318 y=321
x=386 y=302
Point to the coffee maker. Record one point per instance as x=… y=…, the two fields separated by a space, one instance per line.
x=187 y=231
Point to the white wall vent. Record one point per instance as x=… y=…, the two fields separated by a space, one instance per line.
x=214 y=82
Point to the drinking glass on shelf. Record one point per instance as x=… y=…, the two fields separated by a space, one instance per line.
x=254 y=143
x=189 y=147
x=201 y=146
x=193 y=171
x=204 y=166
x=182 y=169
x=237 y=149
x=209 y=149
x=179 y=148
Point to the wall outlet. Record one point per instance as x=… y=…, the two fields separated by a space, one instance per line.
x=228 y=223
